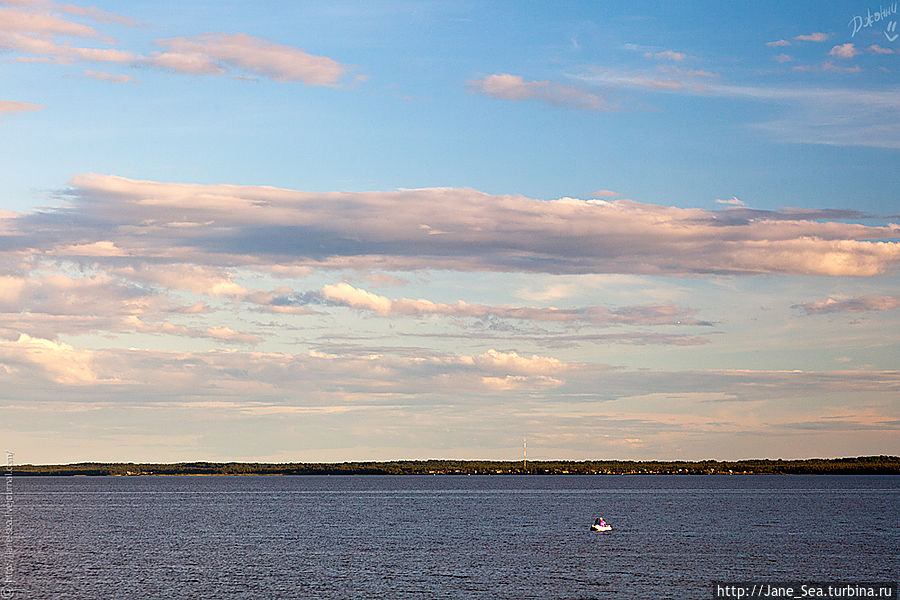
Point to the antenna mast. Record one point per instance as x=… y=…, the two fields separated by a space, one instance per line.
x=524 y=454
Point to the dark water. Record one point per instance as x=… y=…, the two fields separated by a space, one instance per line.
x=445 y=537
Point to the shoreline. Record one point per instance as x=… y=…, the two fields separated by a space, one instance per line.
x=863 y=465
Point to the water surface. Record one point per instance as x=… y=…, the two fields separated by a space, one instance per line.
x=391 y=537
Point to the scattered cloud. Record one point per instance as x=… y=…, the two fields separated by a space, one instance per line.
x=110 y=77
x=97 y=14
x=778 y=43
x=828 y=66
x=344 y=294
x=812 y=37
x=513 y=87
x=61 y=363
x=667 y=55
x=879 y=50
x=733 y=201
x=825 y=115
x=844 y=51
x=605 y=194
x=41 y=22
x=10 y=106
x=220 y=53
x=783 y=58
x=254 y=225
x=850 y=305
x=36 y=30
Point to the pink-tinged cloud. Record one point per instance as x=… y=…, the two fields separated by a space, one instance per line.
x=605 y=194
x=97 y=14
x=254 y=225
x=783 y=58
x=879 y=50
x=513 y=87
x=217 y=53
x=733 y=201
x=218 y=332
x=844 y=51
x=812 y=37
x=851 y=305
x=45 y=47
x=10 y=106
x=23 y=21
x=667 y=55
x=828 y=66
x=778 y=43
x=110 y=77
x=344 y=294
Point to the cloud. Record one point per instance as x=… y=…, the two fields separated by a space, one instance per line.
x=255 y=225
x=823 y=115
x=344 y=294
x=17 y=20
x=110 y=77
x=61 y=363
x=34 y=30
x=10 y=106
x=217 y=53
x=49 y=304
x=218 y=332
x=851 y=305
x=733 y=201
x=605 y=194
x=41 y=46
x=844 y=51
x=830 y=66
x=812 y=37
x=778 y=43
x=512 y=87
x=783 y=58
x=666 y=55
x=879 y=50
x=97 y=14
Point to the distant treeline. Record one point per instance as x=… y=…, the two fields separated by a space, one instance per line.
x=862 y=465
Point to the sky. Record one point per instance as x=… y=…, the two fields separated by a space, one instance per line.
x=329 y=231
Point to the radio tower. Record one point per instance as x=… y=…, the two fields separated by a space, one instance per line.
x=524 y=454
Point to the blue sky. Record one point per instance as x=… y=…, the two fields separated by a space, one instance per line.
x=331 y=231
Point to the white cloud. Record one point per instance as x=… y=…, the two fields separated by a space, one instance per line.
x=62 y=363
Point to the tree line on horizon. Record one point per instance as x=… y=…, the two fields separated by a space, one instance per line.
x=862 y=465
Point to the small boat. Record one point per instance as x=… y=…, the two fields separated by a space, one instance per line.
x=601 y=525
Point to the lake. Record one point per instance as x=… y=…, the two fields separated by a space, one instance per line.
x=430 y=537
